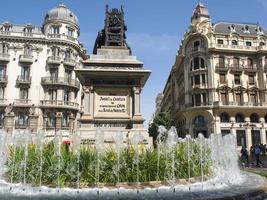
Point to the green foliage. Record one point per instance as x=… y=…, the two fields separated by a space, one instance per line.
x=150 y=164
x=162 y=119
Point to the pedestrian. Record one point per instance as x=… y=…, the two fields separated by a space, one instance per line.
x=244 y=156
x=257 y=153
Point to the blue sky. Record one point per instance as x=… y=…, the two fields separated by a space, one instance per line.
x=155 y=27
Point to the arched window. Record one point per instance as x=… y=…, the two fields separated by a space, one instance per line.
x=225 y=117
x=236 y=62
x=221 y=61
x=200 y=121
x=51 y=120
x=239 y=118
x=55 y=51
x=254 y=118
x=234 y=42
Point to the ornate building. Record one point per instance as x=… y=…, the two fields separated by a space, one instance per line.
x=218 y=81
x=38 y=85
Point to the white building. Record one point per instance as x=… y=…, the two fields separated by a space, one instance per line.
x=38 y=85
x=218 y=81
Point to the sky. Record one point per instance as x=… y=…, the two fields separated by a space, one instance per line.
x=155 y=27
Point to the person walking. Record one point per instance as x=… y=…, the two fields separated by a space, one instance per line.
x=244 y=156
x=257 y=153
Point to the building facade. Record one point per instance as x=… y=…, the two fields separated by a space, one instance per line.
x=38 y=84
x=218 y=81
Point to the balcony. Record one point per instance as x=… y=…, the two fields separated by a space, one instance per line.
x=236 y=68
x=26 y=58
x=221 y=67
x=22 y=102
x=62 y=37
x=233 y=47
x=4 y=57
x=69 y=62
x=59 y=104
x=23 y=81
x=53 y=60
x=46 y=81
x=250 y=68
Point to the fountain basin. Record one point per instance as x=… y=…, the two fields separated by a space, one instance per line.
x=247 y=186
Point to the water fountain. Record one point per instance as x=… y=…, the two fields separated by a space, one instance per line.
x=177 y=180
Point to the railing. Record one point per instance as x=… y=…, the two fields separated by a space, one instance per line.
x=59 y=103
x=61 y=80
x=19 y=125
x=22 y=101
x=236 y=67
x=26 y=58
x=63 y=37
x=22 y=34
x=250 y=68
x=69 y=61
x=3 y=79
x=221 y=66
x=238 y=47
x=53 y=59
x=4 y=57
x=24 y=79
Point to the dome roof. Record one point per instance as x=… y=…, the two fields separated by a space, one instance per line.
x=61 y=12
x=200 y=9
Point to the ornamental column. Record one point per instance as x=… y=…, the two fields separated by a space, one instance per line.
x=137 y=112
x=88 y=100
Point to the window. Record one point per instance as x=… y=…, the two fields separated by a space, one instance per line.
x=224 y=98
x=53 y=74
x=27 y=50
x=220 y=41
x=248 y=44
x=265 y=118
x=21 y=118
x=241 y=138
x=236 y=62
x=66 y=96
x=239 y=118
x=222 y=79
x=51 y=119
x=55 y=51
x=225 y=132
x=234 y=42
x=23 y=93
x=251 y=79
x=203 y=76
x=197 y=79
x=198 y=99
x=68 y=74
x=225 y=117
x=262 y=43
x=254 y=118
x=52 y=95
x=2 y=71
x=204 y=97
x=253 y=98
x=28 y=30
x=237 y=79
x=25 y=73
x=250 y=63
x=4 y=47
x=238 y=98
x=70 y=32
x=65 y=120
x=221 y=61
x=200 y=121
x=55 y=29
x=197 y=63
x=196 y=45
x=2 y=92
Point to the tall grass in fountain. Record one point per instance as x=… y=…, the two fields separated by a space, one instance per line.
x=99 y=147
x=76 y=145
x=57 y=146
x=118 y=146
x=40 y=143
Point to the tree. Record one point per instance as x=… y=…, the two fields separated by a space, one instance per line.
x=163 y=119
